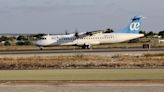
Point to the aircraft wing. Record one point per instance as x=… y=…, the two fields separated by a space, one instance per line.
x=85 y=34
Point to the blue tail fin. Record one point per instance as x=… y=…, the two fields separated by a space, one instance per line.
x=134 y=26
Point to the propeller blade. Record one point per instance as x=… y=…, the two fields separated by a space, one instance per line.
x=77 y=34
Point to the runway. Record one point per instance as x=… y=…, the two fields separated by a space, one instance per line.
x=101 y=87
x=111 y=51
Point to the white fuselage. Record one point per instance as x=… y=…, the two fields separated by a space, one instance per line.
x=99 y=38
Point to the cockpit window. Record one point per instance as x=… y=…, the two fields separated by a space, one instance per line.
x=42 y=39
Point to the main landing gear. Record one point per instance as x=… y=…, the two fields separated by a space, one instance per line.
x=86 y=46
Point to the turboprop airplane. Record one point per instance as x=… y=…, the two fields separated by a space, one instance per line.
x=87 y=39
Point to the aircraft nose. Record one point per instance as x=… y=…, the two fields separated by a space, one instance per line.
x=38 y=43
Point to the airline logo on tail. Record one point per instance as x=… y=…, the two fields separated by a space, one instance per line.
x=134 y=26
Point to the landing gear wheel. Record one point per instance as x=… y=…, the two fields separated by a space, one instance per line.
x=88 y=46
x=84 y=46
x=41 y=48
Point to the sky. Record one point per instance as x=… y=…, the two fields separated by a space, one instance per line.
x=57 y=16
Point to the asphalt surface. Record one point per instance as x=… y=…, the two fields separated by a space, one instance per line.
x=118 y=87
x=112 y=51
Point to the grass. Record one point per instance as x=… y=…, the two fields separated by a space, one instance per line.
x=83 y=74
x=81 y=62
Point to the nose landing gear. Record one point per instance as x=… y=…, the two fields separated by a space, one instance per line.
x=41 y=48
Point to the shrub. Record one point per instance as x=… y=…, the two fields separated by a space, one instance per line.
x=7 y=43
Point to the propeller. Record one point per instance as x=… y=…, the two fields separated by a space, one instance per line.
x=76 y=34
x=89 y=33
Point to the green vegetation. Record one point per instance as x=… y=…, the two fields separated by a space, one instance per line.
x=7 y=43
x=26 y=42
x=84 y=74
x=22 y=40
x=161 y=33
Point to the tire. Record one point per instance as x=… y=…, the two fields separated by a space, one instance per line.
x=88 y=46
x=41 y=48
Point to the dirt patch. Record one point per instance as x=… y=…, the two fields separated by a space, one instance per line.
x=81 y=62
